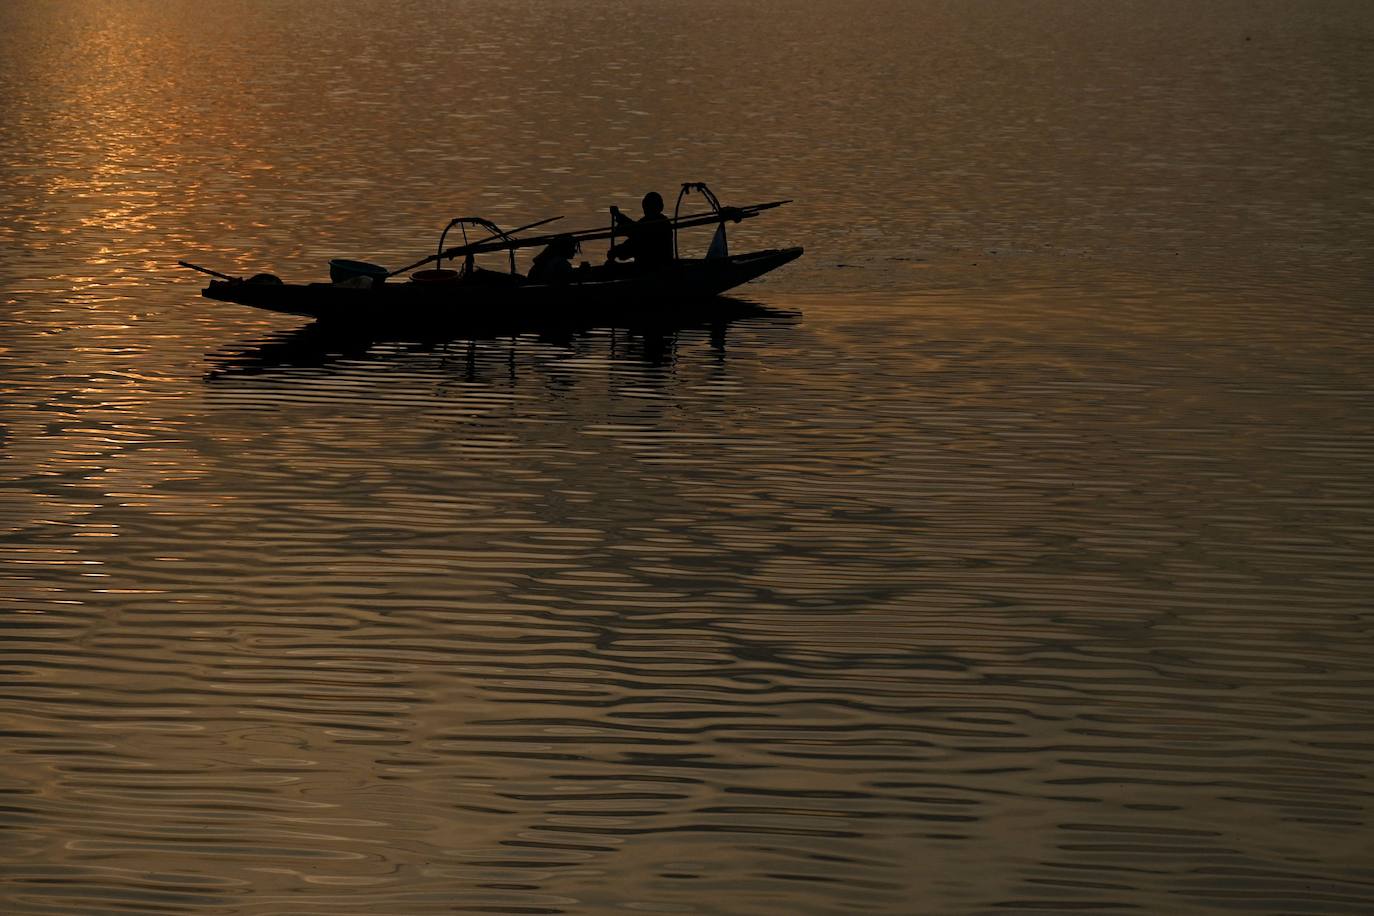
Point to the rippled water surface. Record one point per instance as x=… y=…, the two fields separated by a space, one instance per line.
x=1013 y=554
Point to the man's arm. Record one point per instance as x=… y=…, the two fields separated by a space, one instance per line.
x=621 y=221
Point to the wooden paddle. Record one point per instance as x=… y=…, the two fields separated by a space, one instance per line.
x=733 y=214
x=463 y=249
x=206 y=270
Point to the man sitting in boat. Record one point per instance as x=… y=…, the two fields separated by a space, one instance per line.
x=554 y=263
x=649 y=241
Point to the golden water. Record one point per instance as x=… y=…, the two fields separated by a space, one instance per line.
x=1017 y=559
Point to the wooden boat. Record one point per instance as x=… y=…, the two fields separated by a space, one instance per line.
x=474 y=295
x=609 y=288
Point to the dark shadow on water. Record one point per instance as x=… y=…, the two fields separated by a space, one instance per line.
x=651 y=340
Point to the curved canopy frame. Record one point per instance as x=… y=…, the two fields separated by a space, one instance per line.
x=462 y=222
x=700 y=188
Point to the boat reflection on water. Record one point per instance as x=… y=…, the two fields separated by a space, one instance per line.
x=650 y=339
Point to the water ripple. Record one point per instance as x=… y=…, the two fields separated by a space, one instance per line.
x=1014 y=557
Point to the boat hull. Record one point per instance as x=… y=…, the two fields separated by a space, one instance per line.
x=491 y=298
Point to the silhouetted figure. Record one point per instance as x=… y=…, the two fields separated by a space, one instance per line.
x=554 y=263
x=649 y=241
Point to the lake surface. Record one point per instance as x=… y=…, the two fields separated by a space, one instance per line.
x=1017 y=556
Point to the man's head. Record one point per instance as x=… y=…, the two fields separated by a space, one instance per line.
x=652 y=204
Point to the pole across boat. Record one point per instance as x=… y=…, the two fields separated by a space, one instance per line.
x=724 y=214
x=361 y=291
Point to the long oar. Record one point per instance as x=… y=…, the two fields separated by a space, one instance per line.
x=590 y=235
x=463 y=249
x=206 y=270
